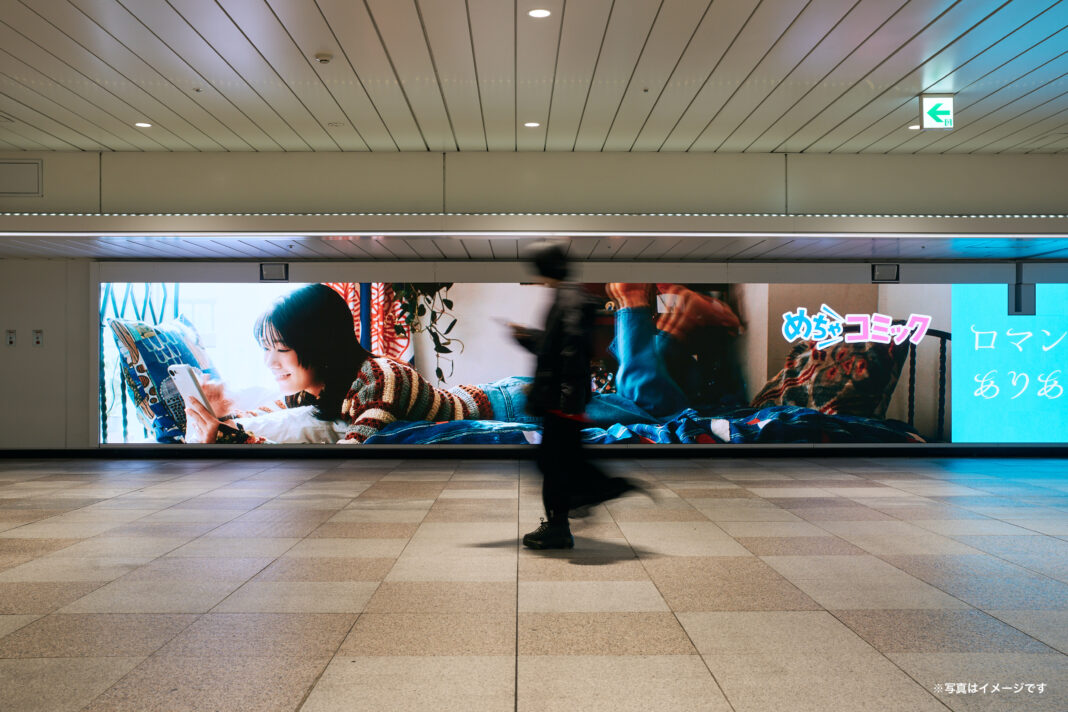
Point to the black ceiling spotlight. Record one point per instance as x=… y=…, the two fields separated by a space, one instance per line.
x=274 y=272
x=885 y=273
x=1021 y=295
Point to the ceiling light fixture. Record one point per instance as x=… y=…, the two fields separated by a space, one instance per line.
x=532 y=124
x=323 y=58
x=539 y=13
x=914 y=127
x=143 y=125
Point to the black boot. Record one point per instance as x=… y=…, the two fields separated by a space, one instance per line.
x=550 y=535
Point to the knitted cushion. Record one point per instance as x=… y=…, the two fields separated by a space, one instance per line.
x=145 y=353
x=848 y=379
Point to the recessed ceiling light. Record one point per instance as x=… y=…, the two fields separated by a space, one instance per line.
x=539 y=13
x=532 y=124
x=143 y=125
x=914 y=127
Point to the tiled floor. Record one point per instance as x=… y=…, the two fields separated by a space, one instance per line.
x=745 y=584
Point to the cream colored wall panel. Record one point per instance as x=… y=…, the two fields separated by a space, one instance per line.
x=342 y=101
x=674 y=29
x=967 y=185
x=753 y=42
x=583 y=27
x=806 y=31
x=495 y=63
x=628 y=33
x=34 y=295
x=607 y=182
x=909 y=19
x=402 y=34
x=70 y=182
x=705 y=50
x=449 y=38
x=271 y=182
x=537 y=46
x=80 y=339
x=361 y=46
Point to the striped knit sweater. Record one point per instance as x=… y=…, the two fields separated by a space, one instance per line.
x=386 y=391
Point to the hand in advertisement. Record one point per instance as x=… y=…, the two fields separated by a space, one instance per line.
x=218 y=398
x=201 y=426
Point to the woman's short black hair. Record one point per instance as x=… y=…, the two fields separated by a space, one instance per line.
x=316 y=323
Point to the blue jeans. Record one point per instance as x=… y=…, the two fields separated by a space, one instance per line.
x=645 y=391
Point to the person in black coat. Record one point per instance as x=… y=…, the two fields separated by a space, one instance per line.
x=559 y=394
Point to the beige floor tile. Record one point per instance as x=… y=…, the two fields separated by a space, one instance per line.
x=192 y=516
x=364 y=530
x=938 y=632
x=411 y=567
x=618 y=683
x=298 y=597
x=1053 y=527
x=602 y=634
x=41 y=597
x=153 y=597
x=580 y=568
x=735 y=583
x=11 y=623
x=220 y=684
x=776 y=529
x=198 y=568
x=423 y=634
x=235 y=547
x=742 y=510
x=799 y=546
x=789 y=491
x=771 y=632
x=70 y=569
x=589 y=597
x=380 y=515
x=345 y=548
x=808 y=682
x=681 y=539
x=1051 y=627
x=464 y=539
x=58 y=684
x=49 y=530
x=951 y=527
x=443 y=597
x=93 y=635
x=934 y=669
x=298 y=635
x=896 y=538
x=404 y=683
x=877 y=592
x=326 y=569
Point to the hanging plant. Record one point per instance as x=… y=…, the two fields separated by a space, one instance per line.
x=420 y=299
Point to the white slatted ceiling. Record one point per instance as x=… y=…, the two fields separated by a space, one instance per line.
x=442 y=75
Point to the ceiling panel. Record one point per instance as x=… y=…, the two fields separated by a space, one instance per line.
x=818 y=76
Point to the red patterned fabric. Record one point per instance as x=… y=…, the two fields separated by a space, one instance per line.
x=386 y=313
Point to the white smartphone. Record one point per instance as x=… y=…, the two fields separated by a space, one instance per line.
x=185 y=379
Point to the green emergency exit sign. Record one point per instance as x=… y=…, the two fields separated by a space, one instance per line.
x=936 y=111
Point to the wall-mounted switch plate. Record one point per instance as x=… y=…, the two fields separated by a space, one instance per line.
x=38 y=337
x=10 y=341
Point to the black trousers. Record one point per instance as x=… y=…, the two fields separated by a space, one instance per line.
x=566 y=469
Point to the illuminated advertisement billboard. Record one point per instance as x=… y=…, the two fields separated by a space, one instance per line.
x=364 y=364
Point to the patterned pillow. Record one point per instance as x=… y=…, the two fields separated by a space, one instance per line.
x=145 y=352
x=847 y=379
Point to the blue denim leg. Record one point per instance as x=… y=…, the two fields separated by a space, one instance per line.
x=642 y=377
x=508 y=398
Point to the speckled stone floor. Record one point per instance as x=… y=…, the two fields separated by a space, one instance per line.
x=753 y=585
